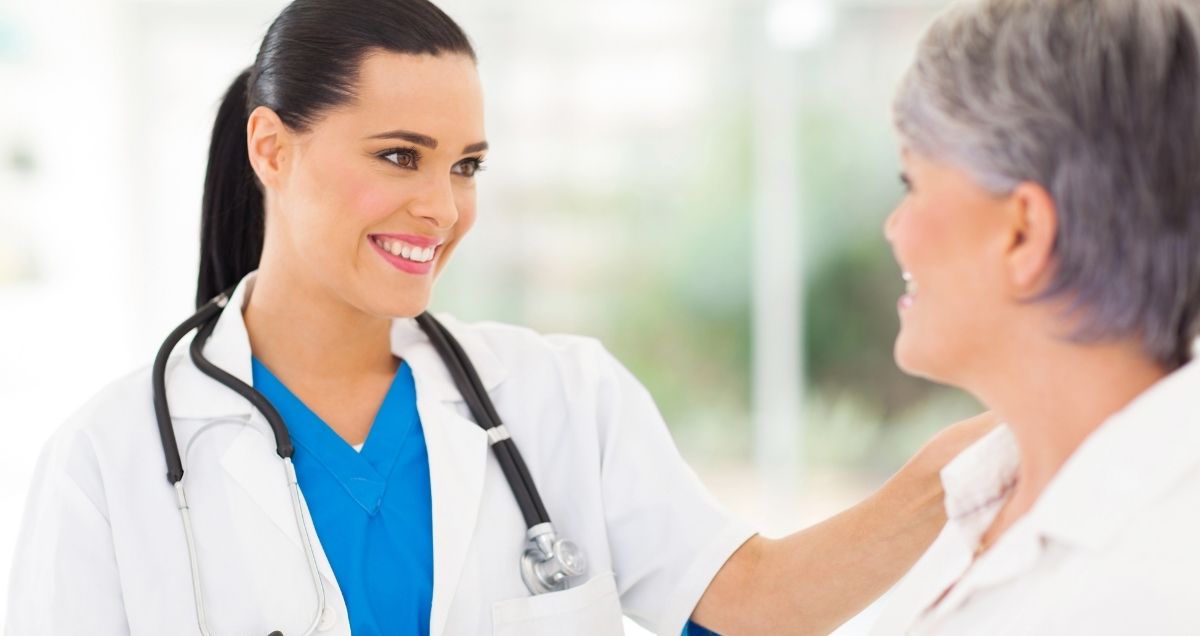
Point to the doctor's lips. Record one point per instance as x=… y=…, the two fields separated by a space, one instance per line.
x=910 y=291
x=407 y=252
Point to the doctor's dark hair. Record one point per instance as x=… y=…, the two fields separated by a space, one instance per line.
x=307 y=64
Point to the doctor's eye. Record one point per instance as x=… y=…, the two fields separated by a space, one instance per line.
x=906 y=182
x=408 y=158
x=469 y=167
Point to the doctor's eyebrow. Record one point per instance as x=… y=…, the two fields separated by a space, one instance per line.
x=426 y=140
x=416 y=138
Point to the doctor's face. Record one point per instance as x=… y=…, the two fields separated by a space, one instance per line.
x=381 y=190
x=947 y=235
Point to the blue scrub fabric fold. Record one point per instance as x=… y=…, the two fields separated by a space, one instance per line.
x=372 y=509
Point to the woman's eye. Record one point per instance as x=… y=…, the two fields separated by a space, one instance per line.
x=468 y=167
x=403 y=157
x=906 y=182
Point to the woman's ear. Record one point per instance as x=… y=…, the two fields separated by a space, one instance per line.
x=266 y=144
x=1033 y=230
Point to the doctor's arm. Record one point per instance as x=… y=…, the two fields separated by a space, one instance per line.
x=814 y=580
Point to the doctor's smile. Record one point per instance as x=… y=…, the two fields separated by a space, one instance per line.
x=407 y=252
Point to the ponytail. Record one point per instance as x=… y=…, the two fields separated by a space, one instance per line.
x=232 y=221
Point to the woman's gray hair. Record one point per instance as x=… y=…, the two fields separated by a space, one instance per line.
x=1099 y=102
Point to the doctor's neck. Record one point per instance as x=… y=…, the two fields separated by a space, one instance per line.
x=295 y=323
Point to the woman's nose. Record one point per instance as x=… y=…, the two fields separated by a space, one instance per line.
x=889 y=225
x=436 y=204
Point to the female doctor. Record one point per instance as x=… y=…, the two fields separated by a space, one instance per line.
x=341 y=178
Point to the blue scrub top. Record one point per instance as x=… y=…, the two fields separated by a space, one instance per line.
x=372 y=509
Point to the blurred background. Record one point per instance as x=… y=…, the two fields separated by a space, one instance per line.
x=698 y=183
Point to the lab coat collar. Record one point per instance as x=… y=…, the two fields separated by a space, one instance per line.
x=191 y=394
x=1129 y=463
x=410 y=343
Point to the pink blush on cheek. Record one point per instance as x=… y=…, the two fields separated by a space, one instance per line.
x=369 y=202
x=356 y=191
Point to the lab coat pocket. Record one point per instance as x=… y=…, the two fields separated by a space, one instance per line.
x=592 y=609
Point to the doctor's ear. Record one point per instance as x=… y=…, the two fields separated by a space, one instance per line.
x=1032 y=227
x=267 y=144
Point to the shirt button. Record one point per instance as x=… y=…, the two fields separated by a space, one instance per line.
x=328 y=619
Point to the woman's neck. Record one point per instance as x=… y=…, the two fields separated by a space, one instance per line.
x=1053 y=395
x=298 y=328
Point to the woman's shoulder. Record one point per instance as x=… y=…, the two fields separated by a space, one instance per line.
x=113 y=427
x=121 y=399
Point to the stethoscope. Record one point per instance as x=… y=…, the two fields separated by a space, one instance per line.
x=549 y=563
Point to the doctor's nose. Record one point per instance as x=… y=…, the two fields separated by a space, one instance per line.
x=436 y=204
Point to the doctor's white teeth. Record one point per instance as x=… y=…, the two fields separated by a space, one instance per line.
x=910 y=284
x=404 y=250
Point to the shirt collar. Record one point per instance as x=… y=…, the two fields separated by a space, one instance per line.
x=1130 y=462
x=977 y=481
x=191 y=394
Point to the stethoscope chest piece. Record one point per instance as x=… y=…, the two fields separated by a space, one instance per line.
x=551 y=563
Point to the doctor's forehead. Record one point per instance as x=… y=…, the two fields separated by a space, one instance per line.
x=436 y=95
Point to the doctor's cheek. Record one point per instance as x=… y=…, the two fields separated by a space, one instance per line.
x=371 y=201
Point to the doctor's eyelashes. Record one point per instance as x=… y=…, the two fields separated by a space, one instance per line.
x=470 y=166
x=409 y=158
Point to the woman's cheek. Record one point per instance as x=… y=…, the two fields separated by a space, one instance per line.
x=466 y=218
x=367 y=200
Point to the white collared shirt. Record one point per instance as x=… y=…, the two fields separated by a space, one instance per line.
x=1112 y=545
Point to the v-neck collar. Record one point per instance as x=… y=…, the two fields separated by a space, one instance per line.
x=363 y=474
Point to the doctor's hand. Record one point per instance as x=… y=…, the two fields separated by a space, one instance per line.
x=814 y=580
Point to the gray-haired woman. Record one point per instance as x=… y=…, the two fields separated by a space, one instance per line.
x=1050 y=238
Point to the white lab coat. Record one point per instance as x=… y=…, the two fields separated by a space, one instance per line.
x=102 y=550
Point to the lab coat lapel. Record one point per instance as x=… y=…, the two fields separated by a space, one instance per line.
x=457 y=458
x=458 y=454
x=252 y=463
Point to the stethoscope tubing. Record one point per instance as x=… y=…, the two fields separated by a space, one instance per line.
x=283 y=440
x=483 y=411
x=162 y=410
